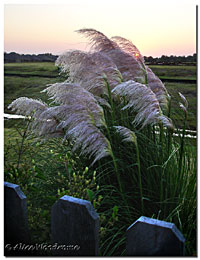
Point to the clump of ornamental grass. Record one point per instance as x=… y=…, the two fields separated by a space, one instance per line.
x=114 y=113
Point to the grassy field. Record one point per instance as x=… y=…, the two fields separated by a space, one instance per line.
x=175 y=72
x=28 y=79
x=31 y=87
x=32 y=68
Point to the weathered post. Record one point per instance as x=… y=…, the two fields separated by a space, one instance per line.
x=74 y=227
x=15 y=219
x=152 y=237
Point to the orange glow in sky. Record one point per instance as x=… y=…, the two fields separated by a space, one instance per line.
x=163 y=28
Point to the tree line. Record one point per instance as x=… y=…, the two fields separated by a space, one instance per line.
x=172 y=60
x=16 y=57
x=48 y=57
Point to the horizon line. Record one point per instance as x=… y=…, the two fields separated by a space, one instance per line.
x=186 y=55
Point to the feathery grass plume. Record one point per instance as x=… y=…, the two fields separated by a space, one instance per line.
x=184 y=105
x=143 y=101
x=130 y=136
x=47 y=128
x=128 y=47
x=90 y=140
x=98 y=40
x=183 y=99
x=75 y=95
x=64 y=93
x=127 y=64
x=80 y=115
x=153 y=81
x=77 y=118
x=69 y=61
x=44 y=128
x=157 y=87
x=87 y=69
x=126 y=133
x=102 y=102
x=128 y=60
x=28 y=106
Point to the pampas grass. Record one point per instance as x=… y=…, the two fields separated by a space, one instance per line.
x=28 y=106
x=89 y=70
x=128 y=60
x=142 y=100
x=77 y=118
x=113 y=113
x=98 y=80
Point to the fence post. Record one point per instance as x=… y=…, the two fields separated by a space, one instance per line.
x=152 y=237
x=15 y=219
x=74 y=227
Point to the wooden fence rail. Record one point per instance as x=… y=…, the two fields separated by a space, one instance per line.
x=75 y=230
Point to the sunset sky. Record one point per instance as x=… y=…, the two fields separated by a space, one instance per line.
x=156 y=28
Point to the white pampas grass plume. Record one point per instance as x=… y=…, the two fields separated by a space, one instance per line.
x=27 y=106
x=102 y=102
x=128 y=47
x=43 y=127
x=79 y=125
x=70 y=61
x=128 y=60
x=77 y=118
x=127 y=134
x=184 y=100
x=88 y=70
x=184 y=105
x=143 y=101
x=47 y=128
x=127 y=64
x=77 y=100
x=80 y=116
x=157 y=87
x=98 y=40
x=89 y=140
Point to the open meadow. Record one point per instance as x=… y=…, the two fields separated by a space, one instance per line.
x=28 y=79
x=42 y=168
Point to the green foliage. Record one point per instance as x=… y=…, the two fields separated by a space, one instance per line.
x=43 y=189
x=48 y=171
x=154 y=176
